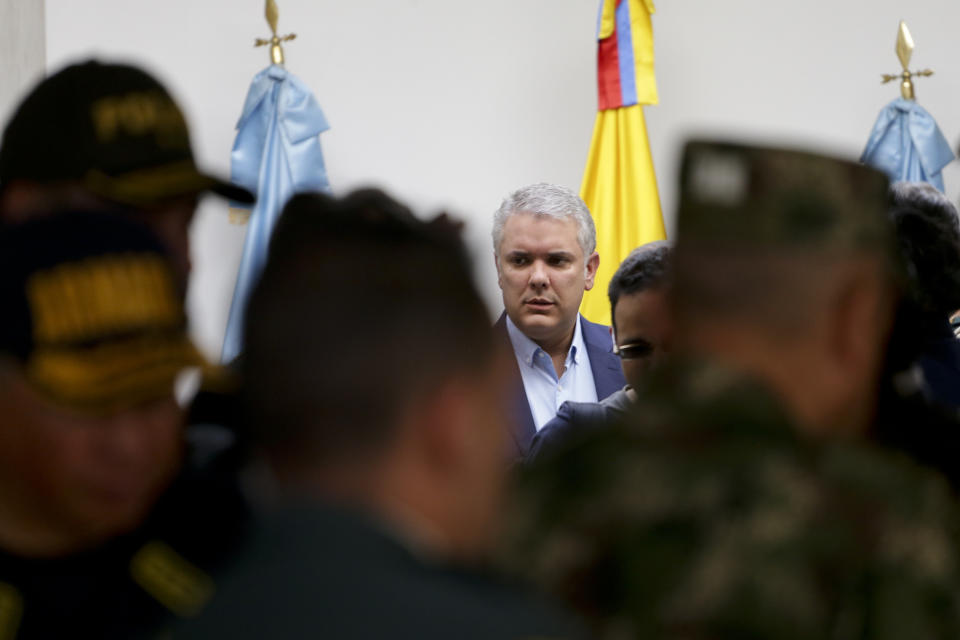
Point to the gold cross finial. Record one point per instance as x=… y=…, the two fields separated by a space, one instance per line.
x=276 y=51
x=904 y=50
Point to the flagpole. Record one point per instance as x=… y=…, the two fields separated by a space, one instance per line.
x=904 y=50
x=276 y=154
x=276 y=50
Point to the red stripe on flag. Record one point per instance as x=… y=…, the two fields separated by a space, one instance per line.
x=608 y=74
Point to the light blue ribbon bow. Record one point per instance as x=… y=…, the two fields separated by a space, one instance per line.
x=276 y=154
x=907 y=144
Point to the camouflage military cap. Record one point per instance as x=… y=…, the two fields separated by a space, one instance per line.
x=739 y=196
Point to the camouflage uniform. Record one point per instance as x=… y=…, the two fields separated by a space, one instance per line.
x=704 y=513
x=705 y=516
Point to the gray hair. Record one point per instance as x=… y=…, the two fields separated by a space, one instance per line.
x=552 y=200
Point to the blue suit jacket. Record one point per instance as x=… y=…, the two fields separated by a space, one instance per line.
x=607 y=376
x=940 y=363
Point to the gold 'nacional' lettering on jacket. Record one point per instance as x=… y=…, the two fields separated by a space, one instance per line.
x=97 y=296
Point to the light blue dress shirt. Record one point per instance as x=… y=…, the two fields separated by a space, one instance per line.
x=545 y=390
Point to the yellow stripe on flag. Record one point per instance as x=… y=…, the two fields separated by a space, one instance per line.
x=620 y=188
x=641 y=33
x=608 y=19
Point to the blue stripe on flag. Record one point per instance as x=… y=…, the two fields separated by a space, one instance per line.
x=628 y=71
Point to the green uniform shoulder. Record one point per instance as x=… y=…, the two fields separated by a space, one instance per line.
x=704 y=513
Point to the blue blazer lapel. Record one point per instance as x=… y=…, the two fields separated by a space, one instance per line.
x=522 y=427
x=607 y=372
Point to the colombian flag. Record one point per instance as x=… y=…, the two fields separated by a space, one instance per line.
x=619 y=184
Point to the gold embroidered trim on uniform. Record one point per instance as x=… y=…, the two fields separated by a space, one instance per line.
x=11 y=609
x=171 y=579
x=130 y=370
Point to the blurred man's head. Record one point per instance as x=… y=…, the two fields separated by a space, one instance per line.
x=928 y=235
x=104 y=136
x=370 y=372
x=91 y=340
x=639 y=308
x=544 y=244
x=784 y=267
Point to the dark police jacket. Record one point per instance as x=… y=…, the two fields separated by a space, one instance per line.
x=315 y=571
x=137 y=585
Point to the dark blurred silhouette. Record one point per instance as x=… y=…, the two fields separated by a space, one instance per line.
x=109 y=529
x=375 y=394
x=928 y=234
x=920 y=391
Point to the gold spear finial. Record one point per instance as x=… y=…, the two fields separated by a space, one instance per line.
x=904 y=50
x=276 y=51
x=904 y=44
x=273 y=13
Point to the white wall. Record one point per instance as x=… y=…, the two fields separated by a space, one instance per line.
x=446 y=103
x=806 y=73
x=451 y=103
x=22 y=49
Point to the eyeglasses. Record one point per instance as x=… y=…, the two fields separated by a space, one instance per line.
x=633 y=351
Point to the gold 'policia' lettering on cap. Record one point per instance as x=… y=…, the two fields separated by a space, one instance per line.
x=138 y=114
x=171 y=579
x=99 y=296
x=11 y=609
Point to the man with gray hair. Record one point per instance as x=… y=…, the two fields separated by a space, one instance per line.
x=544 y=246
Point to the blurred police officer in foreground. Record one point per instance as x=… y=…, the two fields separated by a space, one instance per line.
x=106 y=530
x=110 y=138
x=375 y=393
x=740 y=500
x=99 y=137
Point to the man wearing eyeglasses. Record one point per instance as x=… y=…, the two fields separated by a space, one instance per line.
x=638 y=293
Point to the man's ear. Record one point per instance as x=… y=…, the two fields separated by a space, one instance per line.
x=496 y=263
x=593 y=263
x=859 y=324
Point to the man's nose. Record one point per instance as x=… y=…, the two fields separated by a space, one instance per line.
x=539 y=279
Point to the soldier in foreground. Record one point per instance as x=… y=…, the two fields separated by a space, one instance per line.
x=740 y=500
x=375 y=394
